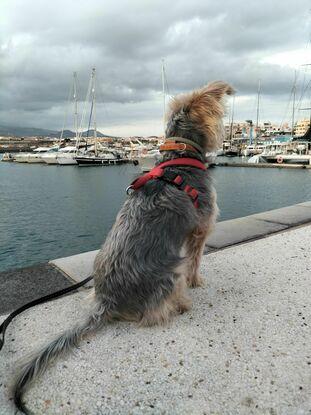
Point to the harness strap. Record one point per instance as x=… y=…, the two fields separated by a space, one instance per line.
x=159 y=172
x=187 y=141
x=170 y=145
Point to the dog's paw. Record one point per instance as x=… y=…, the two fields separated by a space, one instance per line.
x=184 y=305
x=195 y=281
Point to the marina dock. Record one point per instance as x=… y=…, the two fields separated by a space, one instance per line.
x=242 y=349
x=264 y=165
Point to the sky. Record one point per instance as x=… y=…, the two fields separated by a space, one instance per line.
x=43 y=42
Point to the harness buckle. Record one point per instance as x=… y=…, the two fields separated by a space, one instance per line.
x=129 y=190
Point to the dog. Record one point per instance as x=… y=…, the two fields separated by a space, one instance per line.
x=153 y=250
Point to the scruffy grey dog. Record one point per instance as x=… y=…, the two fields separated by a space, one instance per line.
x=154 y=249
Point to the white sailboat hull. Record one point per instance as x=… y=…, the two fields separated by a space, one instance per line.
x=51 y=161
x=66 y=161
x=21 y=158
x=49 y=158
x=35 y=158
x=147 y=162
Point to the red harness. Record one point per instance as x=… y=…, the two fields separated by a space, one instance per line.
x=159 y=172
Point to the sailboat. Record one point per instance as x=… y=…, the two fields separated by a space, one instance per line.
x=148 y=158
x=64 y=151
x=293 y=150
x=97 y=154
x=228 y=149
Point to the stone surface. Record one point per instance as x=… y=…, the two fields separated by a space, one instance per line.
x=20 y=286
x=291 y=215
x=244 y=348
x=306 y=204
x=231 y=232
x=77 y=267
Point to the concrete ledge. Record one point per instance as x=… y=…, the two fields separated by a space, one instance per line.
x=243 y=349
x=256 y=226
x=291 y=215
x=235 y=231
x=77 y=267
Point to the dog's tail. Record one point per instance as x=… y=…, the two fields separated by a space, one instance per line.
x=58 y=347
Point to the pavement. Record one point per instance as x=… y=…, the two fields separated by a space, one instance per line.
x=244 y=348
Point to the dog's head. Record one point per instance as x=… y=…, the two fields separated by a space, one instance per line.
x=198 y=115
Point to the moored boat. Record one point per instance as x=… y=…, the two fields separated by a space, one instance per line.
x=21 y=157
x=7 y=157
x=36 y=155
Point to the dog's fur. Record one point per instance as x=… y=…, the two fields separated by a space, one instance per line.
x=154 y=249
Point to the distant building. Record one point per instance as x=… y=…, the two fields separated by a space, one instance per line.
x=301 y=127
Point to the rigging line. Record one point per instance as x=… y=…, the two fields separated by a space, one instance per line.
x=66 y=111
x=166 y=83
x=84 y=108
x=287 y=108
x=78 y=90
x=302 y=94
x=102 y=101
x=90 y=119
x=302 y=90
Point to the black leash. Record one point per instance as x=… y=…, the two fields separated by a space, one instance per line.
x=41 y=300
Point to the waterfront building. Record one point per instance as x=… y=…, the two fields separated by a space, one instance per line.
x=301 y=127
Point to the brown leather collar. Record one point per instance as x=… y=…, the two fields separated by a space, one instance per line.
x=170 y=145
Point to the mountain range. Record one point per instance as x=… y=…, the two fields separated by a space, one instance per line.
x=12 y=131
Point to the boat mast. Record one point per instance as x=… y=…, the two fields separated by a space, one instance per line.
x=80 y=131
x=163 y=93
x=75 y=104
x=232 y=115
x=257 y=114
x=94 y=110
x=307 y=108
x=70 y=97
x=294 y=102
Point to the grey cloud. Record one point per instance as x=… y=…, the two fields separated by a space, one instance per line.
x=42 y=43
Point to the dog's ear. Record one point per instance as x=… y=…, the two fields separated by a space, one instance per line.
x=205 y=96
x=202 y=99
x=219 y=89
x=200 y=111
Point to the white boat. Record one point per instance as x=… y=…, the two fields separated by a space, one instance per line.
x=147 y=160
x=257 y=158
x=53 y=157
x=7 y=157
x=49 y=157
x=252 y=150
x=104 y=156
x=36 y=155
x=290 y=152
x=67 y=157
x=21 y=157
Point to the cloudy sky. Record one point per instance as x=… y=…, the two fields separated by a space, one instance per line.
x=42 y=42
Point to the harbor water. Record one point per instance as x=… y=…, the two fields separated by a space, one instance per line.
x=48 y=212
